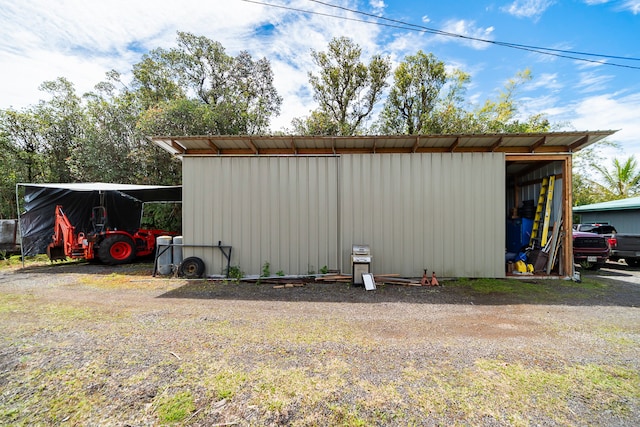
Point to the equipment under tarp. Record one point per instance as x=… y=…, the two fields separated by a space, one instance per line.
x=123 y=203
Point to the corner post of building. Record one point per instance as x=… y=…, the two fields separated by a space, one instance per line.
x=568 y=214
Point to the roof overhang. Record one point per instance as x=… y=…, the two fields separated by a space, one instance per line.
x=260 y=145
x=631 y=203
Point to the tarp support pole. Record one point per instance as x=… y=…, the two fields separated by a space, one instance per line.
x=19 y=224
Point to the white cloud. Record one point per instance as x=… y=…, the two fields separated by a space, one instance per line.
x=467 y=29
x=592 y=82
x=527 y=8
x=546 y=81
x=611 y=112
x=82 y=40
x=378 y=6
x=632 y=6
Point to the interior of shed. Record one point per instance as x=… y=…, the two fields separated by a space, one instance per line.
x=538 y=202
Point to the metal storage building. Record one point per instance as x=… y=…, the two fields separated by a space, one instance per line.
x=623 y=214
x=436 y=202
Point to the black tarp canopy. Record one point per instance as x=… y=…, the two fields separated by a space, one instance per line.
x=123 y=203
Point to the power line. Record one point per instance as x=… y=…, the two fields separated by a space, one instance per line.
x=561 y=53
x=445 y=33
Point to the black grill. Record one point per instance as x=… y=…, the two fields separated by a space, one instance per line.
x=589 y=242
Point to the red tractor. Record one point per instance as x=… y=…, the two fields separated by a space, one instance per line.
x=108 y=246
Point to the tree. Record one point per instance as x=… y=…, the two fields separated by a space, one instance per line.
x=61 y=120
x=317 y=123
x=499 y=116
x=345 y=88
x=104 y=149
x=22 y=134
x=414 y=94
x=585 y=191
x=622 y=180
x=451 y=115
x=231 y=95
x=114 y=147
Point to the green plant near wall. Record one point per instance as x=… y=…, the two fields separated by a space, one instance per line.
x=324 y=270
x=266 y=269
x=235 y=273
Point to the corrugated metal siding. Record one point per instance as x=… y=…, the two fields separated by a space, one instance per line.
x=532 y=191
x=444 y=212
x=281 y=210
x=625 y=221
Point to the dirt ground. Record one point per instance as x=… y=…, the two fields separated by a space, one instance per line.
x=96 y=328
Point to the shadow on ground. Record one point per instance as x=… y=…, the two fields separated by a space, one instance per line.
x=615 y=285
x=475 y=292
x=138 y=268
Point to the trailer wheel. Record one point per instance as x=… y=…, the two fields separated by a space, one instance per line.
x=117 y=249
x=191 y=268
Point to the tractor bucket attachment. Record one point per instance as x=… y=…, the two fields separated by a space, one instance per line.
x=56 y=253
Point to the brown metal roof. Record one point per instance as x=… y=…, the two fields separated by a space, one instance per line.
x=521 y=143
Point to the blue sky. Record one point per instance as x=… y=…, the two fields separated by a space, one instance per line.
x=81 y=40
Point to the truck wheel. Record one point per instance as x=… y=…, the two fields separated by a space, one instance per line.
x=117 y=249
x=191 y=268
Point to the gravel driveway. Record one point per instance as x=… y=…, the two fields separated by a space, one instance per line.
x=119 y=345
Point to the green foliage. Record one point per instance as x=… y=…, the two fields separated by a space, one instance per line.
x=324 y=270
x=197 y=88
x=585 y=192
x=175 y=408
x=499 y=115
x=418 y=105
x=414 y=95
x=345 y=88
x=101 y=135
x=266 y=271
x=163 y=216
x=622 y=180
x=317 y=123
x=233 y=95
x=62 y=126
x=235 y=273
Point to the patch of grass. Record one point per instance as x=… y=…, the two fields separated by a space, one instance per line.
x=549 y=393
x=586 y=283
x=57 y=313
x=60 y=396
x=534 y=290
x=109 y=281
x=15 y=303
x=175 y=408
x=618 y=336
x=15 y=261
x=227 y=383
x=501 y=286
